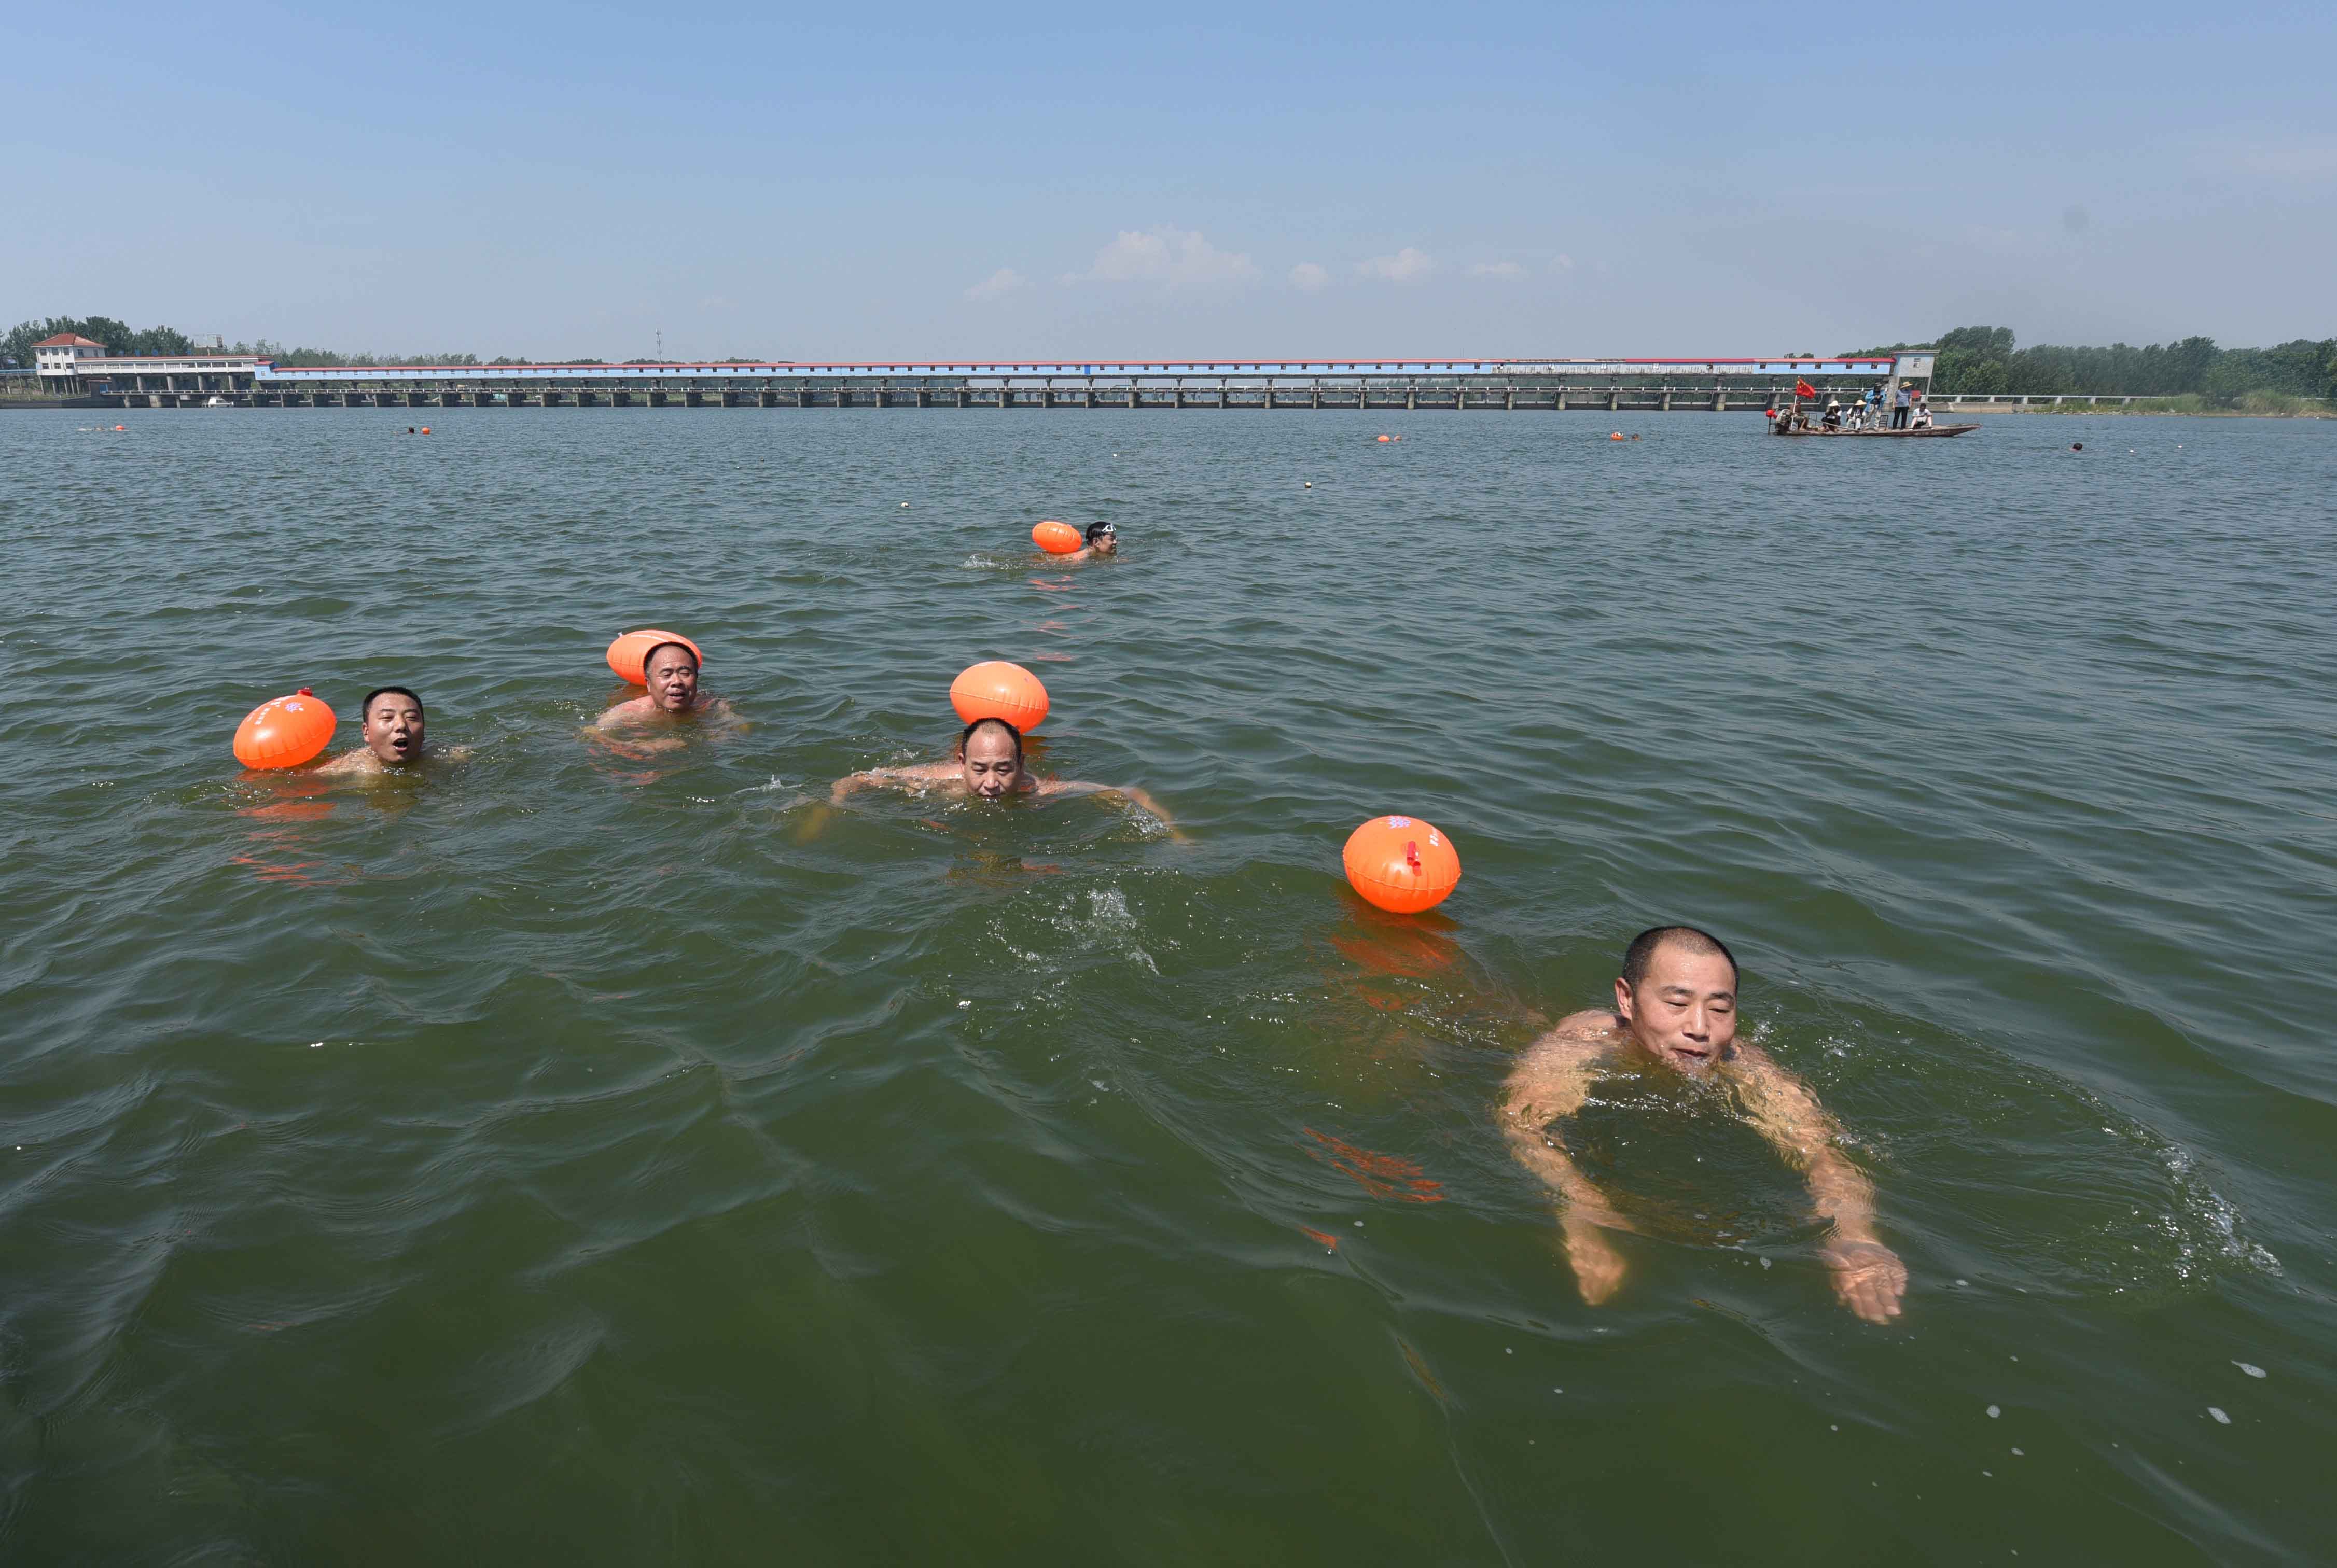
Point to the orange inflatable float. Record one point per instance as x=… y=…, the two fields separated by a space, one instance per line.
x=285 y=732
x=626 y=654
x=1056 y=538
x=1402 y=864
x=998 y=690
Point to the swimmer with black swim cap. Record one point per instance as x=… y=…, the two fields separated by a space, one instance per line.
x=988 y=765
x=669 y=670
x=392 y=720
x=1675 y=1007
x=1102 y=539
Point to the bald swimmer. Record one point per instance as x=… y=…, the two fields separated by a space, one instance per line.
x=392 y=720
x=1676 y=1007
x=988 y=765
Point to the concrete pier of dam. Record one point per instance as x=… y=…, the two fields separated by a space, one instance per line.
x=1504 y=385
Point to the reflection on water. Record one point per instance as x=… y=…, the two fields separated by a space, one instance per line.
x=602 y=1154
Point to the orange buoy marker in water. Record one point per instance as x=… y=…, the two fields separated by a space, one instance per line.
x=1387 y=438
x=626 y=654
x=285 y=731
x=997 y=689
x=1400 y=864
x=1056 y=538
x=1616 y=436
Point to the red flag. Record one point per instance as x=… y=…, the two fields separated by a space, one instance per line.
x=1803 y=389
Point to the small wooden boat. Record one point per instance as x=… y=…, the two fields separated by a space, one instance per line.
x=1778 y=427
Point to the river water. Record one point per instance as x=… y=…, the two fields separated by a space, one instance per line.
x=572 y=1156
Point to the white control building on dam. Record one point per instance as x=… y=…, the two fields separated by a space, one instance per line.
x=87 y=375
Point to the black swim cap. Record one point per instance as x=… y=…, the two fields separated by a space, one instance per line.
x=1101 y=528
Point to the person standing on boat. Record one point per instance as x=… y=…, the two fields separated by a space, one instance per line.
x=1874 y=405
x=1899 y=408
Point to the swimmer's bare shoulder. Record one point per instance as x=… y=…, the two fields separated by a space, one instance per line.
x=626 y=713
x=1552 y=1075
x=363 y=763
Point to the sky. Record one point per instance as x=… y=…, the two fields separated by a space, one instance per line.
x=1160 y=181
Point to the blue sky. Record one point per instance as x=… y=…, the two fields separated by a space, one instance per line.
x=1115 y=181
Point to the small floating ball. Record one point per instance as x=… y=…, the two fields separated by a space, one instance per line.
x=1387 y=438
x=628 y=652
x=425 y=430
x=1056 y=539
x=998 y=690
x=1616 y=436
x=1400 y=864
x=285 y=731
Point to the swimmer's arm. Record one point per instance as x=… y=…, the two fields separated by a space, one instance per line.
x=1134 y=793
x=1868 y=1276
x=889 y=777
x=1549 y=1082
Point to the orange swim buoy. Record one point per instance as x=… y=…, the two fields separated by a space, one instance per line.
x=1616 y=436
x=1056 y=538
x=285 y=731
x=1387 y=438
x=997 y=689
x=626 y=654
x=425 y=430
x=1401 y=863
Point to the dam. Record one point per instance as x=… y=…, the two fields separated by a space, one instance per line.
x=1508 y=385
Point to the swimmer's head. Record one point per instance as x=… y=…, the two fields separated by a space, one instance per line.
x=392 y=717
x=671 y=672
x=1102 y=538
x=989 y=755
x=1678 y=997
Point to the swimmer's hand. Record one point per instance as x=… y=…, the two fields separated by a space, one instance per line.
x=1599 y=1268
x=1868 y=1278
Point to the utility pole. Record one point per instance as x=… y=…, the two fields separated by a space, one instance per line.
x=661 y=337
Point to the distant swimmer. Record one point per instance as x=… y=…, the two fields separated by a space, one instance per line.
x=669 y=671
x=1676 y=1005
x=988 y=765
x=1102 y=539
x=392 y=717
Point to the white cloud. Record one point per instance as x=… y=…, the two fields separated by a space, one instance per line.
x=1507 y=270
x=1165 y=255
x=1005 y=280
x=1307 y=275
x=1566 y=261
x=1406 y=266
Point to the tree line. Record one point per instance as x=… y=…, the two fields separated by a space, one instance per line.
x=1982 y=359
x=120 y=337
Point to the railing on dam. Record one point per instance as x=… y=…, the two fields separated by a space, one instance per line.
x=1452 y=393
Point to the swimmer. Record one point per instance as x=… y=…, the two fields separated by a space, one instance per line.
x=392 y=717
x=988 y=767
x=1676 y=1007
x=1102 y=539
x=671 y=672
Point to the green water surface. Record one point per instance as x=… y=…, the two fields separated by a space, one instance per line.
x=576 y=1156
